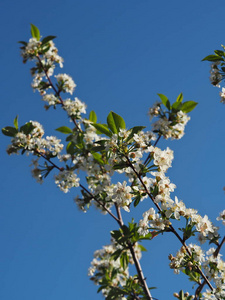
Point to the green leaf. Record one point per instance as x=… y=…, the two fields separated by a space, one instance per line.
x=15 y=122
x=213 y=58
x=177 y=106
x=179 y=98
x=146 y=237
x=124 y=259
x=116 y=254
x=219 y=52
x=120 y=166
x=64 y=129
x=35 y=32
x=70 y=149
x=134 y=130
x=47 y=39
x=9 y=131
x=188 y=106
x=165 y=100
x=142 y=248
x=93 y=117
x=23 y=43
x=98 y=148
x=115 y=122
x=137 y=200
x=181 y=294
x=27 y=128
x=102 y=129
x=98 y=157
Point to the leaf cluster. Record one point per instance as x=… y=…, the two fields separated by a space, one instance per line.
x=178 y=105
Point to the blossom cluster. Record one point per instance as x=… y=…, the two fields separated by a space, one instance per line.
x=104 y=267
x=189 y=257
x=33 y=141
x=174 y=128
x=66 y=180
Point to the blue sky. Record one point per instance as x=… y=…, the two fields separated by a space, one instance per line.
x=120 y=54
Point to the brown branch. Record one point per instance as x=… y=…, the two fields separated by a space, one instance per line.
x=219 y=247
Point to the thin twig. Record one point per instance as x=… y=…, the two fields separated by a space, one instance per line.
x=156 y=142
x=56 y=91
x=135 y=259
x=90 y=194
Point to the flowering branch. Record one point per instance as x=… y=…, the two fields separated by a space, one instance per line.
x=101 y=150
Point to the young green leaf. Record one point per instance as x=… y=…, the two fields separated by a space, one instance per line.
x=64 y=129
x=93 y=117
x=15 y=122
x=188 y=106
x=165 y=100
x=98 y=157
x=142 y=248
x=115 y=122
x=213 y=58
x=35 y=32
x=102 y=129
x=47 y=39
x=177 y=106
x=179 y=98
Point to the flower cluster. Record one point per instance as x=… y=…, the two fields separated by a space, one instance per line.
x=74 y=108
x=187 y=258
x=66 y=180
x=30 y=138
x=172 y=121
x=221 y=217
x=173 y=129
x=104 y=266
x=46 y=57
x=214 y=268
x=152 y=220
x=65 y=83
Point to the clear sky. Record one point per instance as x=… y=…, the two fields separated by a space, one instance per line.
x=120 y=54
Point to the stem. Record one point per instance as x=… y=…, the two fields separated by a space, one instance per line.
x=156 y=142
x=219 y=247
x=141 y=277
x=101 y=204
